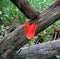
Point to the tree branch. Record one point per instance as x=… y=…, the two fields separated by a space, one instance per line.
x=41 y=51
x=26 y=8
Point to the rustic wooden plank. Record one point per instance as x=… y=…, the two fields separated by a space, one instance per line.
x=17 y=38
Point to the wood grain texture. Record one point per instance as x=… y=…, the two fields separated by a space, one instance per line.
x=41 y=51
x=26 y=8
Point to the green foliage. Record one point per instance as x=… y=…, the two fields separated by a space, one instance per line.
x=57 y=57
x=9 y=11
x=40 y=4
x=3 y=28
x=58 y=24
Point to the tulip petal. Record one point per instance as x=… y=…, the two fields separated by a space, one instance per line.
x=33 y=28
x=30 y=30
x=27 y=25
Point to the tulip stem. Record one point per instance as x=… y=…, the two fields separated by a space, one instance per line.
x=29 y=44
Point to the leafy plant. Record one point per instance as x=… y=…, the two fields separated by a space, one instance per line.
x=57 y=57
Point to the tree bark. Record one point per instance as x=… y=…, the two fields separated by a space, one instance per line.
x=26 y=8
x=17 y=38
x=41 y=51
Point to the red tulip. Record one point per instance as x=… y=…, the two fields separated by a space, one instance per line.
x=30 y=30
